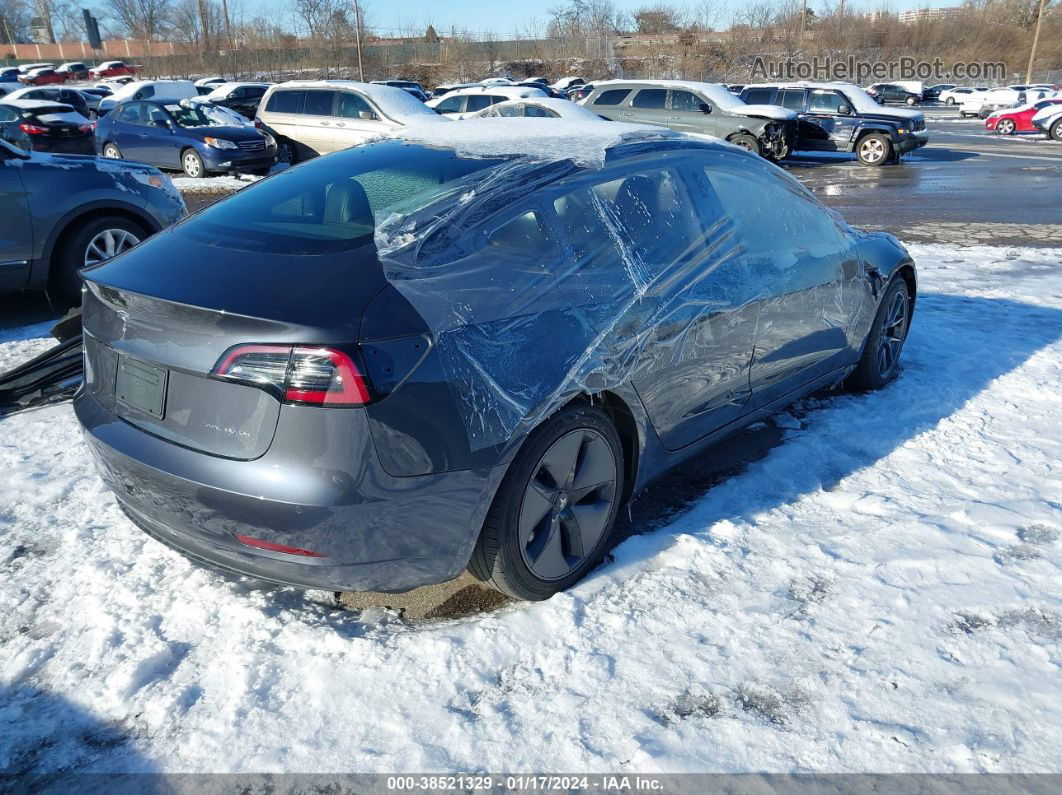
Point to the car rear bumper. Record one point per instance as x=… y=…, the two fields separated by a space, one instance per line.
x=374 y=532
x=73 y=146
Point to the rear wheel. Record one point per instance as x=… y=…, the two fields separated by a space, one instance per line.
x=746 y=141
x=874 y=150
x=112 y=151
x=91 y=243
x=192 y=164
x=1005 y=127
x=949 y=101
x=552 y=517
x=880 y=362
x=911 y=101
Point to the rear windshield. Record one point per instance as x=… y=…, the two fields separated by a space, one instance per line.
x=333 y=203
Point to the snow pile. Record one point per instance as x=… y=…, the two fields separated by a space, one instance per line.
x=582 y=142
x=882 y=591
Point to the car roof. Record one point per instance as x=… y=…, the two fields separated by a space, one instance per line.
x=566 y=108
x=508 y=90
x=220 y=87
x=33 y=104
x=395 y=103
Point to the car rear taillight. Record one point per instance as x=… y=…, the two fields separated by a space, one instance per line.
x=87 y=128
x=32 y=129
x=315 y=376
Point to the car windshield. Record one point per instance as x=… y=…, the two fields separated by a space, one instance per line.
x=334 y=203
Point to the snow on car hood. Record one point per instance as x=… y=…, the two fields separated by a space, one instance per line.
x=775 y=112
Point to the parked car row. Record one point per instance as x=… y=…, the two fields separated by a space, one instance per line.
x=40 y=74
x=982 y=103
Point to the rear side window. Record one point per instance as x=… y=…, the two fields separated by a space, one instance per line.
x=759 y=96
x=773 y=218
x=481 y=101
x=318 y=103
x=525 y=235
x=613 y=96
x=284 y=102
x=650 y=98
x=541 y=113
x=652 y=209
x=6 y=114
x=791 y=98
x=686 y=101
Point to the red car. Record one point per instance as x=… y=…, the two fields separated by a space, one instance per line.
x=1018 y=120
x=113 y=69
x=43 y=77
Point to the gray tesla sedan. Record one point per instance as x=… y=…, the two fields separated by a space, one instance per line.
x=443 y=351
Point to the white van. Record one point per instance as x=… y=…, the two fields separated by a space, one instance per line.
x=315 y=117
x=165 y=90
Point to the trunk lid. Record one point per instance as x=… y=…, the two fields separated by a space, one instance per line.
x=169 y=309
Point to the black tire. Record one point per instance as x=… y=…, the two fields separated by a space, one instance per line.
x=746 y=141
x=1006 y=127
x=1056 y=131
x=875 y=368
x=949 y=101
x=111 y=150
x=287 y=152
x=192 y=164
x=874 y=150
x=64 y=281
x=516 y=550
x=911 y=101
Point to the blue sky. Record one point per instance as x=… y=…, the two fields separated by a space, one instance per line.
x=391 y=17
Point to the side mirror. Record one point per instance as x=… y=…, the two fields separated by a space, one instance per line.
x=367 y=115
x=705 y=107
x=844 y=110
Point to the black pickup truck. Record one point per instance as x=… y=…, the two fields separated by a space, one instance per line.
x=841 y=117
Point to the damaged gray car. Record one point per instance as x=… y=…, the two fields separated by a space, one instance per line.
x=460 y=348
x=699 y=109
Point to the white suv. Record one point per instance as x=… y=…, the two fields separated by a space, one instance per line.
x=467 y=102
x=315 y=117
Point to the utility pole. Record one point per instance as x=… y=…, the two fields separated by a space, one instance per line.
x=357 y=39
x=804 y=20
x=1036 y=40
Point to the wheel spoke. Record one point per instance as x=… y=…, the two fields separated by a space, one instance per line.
x=548 y=559
x=590 y=519
x=594 y=467
x=534 y=512
x=560 y=460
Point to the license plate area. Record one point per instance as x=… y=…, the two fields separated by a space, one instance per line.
x=141 y=386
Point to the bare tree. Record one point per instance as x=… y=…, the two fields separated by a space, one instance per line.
x=143 y=19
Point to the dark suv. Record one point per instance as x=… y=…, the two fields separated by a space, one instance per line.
x=890 y=92
x=840 y=117
x=63 y=212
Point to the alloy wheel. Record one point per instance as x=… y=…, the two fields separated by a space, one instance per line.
x=872 y=150
x=111 y=151
x=107 y=244
x=192 y=166
x=1006 y=127
x=893 y=333
x=567 y=504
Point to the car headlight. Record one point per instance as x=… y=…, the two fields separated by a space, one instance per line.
x=903 y=131
x=269 y=139
x=219 y=143
x=159 y=181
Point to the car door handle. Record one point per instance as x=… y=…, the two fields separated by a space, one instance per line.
x=675 y=118
x=626 y=113
x=341 y=124
x=325 y=123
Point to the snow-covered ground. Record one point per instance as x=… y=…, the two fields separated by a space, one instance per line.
x=881 y=592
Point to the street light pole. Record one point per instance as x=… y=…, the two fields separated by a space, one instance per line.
x=1036 y=40
x=357 y=38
